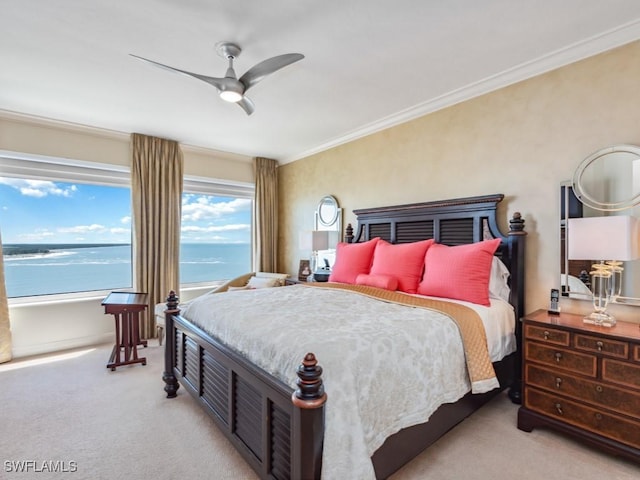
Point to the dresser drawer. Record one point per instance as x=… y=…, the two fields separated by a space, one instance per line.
x=547 y=335
x=622 y=373
x=604 y=346
x=561 y=359
x=608 y=425
x=598 y=393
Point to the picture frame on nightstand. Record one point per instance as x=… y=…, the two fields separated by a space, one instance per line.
x=304 y=270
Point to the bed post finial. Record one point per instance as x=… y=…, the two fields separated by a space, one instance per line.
x=310 y=392
x=172 y=301
x=516 y=224
x=348 y=237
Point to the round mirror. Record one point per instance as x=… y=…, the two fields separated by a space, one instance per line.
x=328 y=211
x=609 y=179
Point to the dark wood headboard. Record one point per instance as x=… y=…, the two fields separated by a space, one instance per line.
x=451 y=222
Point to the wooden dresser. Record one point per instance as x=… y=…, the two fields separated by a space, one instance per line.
x=582 y=380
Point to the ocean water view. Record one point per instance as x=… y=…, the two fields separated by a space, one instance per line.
x=41 y=269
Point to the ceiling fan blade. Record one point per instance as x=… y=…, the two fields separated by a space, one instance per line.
x=267 y=67
x=247 y=105
x=216 y=82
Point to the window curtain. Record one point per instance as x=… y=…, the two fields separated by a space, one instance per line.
x=156 y=191
x=5 y=327
x=265 y=215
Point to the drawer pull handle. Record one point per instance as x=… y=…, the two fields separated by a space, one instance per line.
x=599 y=388
x=558 y=382
x=559 y=409
x=558 y=356
x=598 y=416
x=600 y=345
x=546 y=335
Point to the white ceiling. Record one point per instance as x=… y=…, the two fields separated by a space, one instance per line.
x=369 y=64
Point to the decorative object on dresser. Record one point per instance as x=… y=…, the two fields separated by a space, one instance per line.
x=583 y=380
x=607 y=240
x=281 y=438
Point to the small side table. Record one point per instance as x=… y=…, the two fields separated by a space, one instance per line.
x=125 y=308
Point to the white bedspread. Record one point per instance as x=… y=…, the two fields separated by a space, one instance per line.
x=386 y=366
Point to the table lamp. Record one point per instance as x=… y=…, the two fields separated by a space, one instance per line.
x=319 y=241
x=608 y=241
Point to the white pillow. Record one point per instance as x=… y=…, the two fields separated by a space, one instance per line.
x=498 y=281
x=263 y=282
x=278 y=276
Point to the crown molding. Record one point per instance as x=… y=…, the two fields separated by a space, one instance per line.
x=603 y=42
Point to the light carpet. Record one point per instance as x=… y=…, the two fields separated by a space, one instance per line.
x=67 y=411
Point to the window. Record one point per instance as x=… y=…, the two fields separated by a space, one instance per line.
x=66 y=227
x=215 y=241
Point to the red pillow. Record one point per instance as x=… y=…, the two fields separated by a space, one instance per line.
x=461 y=272
x=387 y=282
x=352 y=259
x=405 y=261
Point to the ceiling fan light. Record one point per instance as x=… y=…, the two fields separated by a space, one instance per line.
x=230 y=96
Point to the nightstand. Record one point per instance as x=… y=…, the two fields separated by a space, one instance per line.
x=582 y=380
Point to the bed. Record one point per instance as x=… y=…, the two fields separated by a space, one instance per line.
x=278 y=414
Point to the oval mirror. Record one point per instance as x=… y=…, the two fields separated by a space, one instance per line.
x=609 y=179
x=328 y=211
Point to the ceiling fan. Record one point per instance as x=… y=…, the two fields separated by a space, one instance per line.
x=230 y=87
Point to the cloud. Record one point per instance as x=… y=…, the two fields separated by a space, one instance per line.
x=83 y=229
x=215 y=229
x=37 y=236
x=38 y=188
x=126 y=220
x=197 y=208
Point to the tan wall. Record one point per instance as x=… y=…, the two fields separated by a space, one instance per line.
x=521 y=141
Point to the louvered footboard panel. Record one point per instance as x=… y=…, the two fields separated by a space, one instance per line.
x=192 y=363
x=215 y=386
x=179 y=357
x=247 y=416
x=280 y=443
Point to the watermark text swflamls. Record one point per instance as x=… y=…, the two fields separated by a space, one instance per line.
x=42 y=466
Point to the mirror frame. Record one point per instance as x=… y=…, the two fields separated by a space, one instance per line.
x=581 y=190
x=334 y=219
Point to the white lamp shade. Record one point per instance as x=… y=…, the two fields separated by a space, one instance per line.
x=319 y=240
x=604 y=238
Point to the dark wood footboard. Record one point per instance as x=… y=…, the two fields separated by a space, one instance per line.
x=279 y=431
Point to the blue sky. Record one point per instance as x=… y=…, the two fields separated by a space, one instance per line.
x=36 y=211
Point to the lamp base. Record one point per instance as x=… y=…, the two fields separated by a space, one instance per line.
x=602 y=319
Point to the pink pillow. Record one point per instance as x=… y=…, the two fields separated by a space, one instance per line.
x=461 y=272
x=352 y=259
x=386 y=282
x=405 y=261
